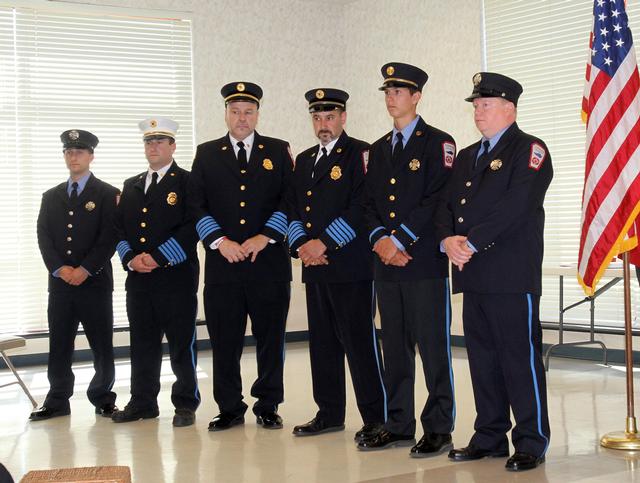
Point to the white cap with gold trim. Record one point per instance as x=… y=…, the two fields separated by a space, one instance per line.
x=158 y=127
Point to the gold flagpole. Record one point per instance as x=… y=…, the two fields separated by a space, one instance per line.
x=628 y=439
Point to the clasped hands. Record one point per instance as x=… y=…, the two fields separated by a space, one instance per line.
x=235 y=252
x=143 y=263
x=390 y=254
x=73 y=276
x=313 y=253
x=457 y=250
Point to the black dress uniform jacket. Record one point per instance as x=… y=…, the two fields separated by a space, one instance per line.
x=162 y=227
x=227 y=199
x=498 y=206
x=330 y=206
x=402 y=198
x=78 y=233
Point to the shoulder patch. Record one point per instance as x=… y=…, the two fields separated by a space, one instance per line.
x=536 y=158
x=448 y=153
x=365 y=160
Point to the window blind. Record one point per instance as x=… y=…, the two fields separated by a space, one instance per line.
x=63 y=70
x=544 y=45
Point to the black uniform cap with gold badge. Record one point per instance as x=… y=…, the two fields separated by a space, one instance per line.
x=158 y=128
x=397 y=74
x=490 y=84
x=326 y=99
x=241 y=91
x=77 y=138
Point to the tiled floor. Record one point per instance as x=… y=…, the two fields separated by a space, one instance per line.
x=586 y=400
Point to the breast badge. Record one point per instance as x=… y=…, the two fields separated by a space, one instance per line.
x=336 y=173
x=90 y=206
x=172 y=198
x=267 y=164
x=414 y=165
x=496 y=164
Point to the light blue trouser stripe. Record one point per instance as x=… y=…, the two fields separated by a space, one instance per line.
x=193 y=363
x=375 y=348
x=448 y=331
x=535 y=377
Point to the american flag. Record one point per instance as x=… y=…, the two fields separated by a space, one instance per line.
x=611 y=109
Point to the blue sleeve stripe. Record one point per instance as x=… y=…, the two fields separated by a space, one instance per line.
x=206 y=226
x=409 y=232
x=375 y=230
x=123 y=247
x=294 y=237
x=338 y=229
x=337 y=237
x=172 y=251
x=345 y=225
x=278 y=221
x=295 y=232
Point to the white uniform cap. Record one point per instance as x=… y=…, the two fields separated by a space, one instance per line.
x=158 y=126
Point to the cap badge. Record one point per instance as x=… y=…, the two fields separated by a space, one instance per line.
x=414 y=165
x=390 y=70
x=90 y=206
x=320 y=94
x=496 y=164
x=477 y=79
x=240 y=87
x=336 y=173
x=172 y=198
x=267 y=164
x=153 y=123
x=74 y=135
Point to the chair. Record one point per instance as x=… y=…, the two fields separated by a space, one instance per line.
x=8 y=342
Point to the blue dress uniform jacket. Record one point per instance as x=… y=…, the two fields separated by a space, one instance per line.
x=78 y=233
x=498 y=207
x=401 y=200
x=239 y=202
x=162 y=227
x=330 y=206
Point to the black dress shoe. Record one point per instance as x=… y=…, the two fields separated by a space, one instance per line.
x=368 y=431
x=269 y=420
x=431 y=444
x=184 y=417
x=384 y=439
x=106 y=410
x=130 y=413
x=44 y=412
x=472 y=452
x=225 y=421
x=316 y=426
x=523 y=461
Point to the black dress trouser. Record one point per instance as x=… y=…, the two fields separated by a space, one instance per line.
x=94 y=309
x=341 y=323
x=227 y=307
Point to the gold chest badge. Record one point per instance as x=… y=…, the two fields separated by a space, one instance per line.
x=267 y=164
x=496 y=164
x=90 y=206
x=414 y=165
x=172 y=198
x=336 y=173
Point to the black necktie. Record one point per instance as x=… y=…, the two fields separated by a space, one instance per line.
x=321 y=159
x=152 y=185
x=485 y=150
x=74 y=191
x=397 y=148
x=242 y=153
